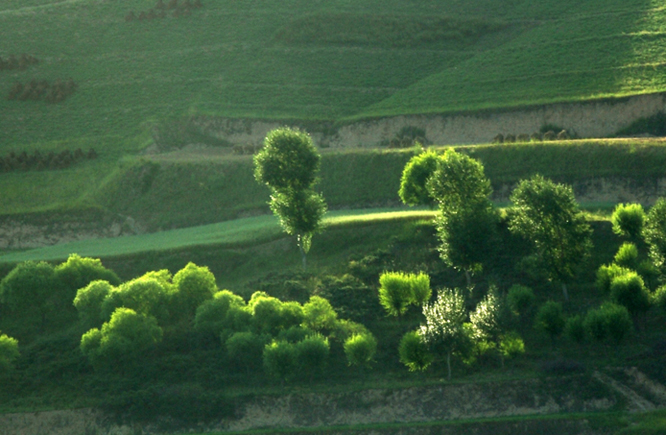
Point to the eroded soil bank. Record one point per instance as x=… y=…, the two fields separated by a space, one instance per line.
x=438 y=403
x=597 y=118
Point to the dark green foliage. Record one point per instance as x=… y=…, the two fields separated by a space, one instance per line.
x=246 y=349
x=9 y=352
x=280 y=360
x=654 y=233
x=627 y=256
x=628 y=220
x=550 y=318
x=574 y=329
x=350 y=297
x=629 y=291
x=520 y=299
x=659 y=298
x=467 y=235
x=193 y=285
x=414 y=179
x=608 y=321
x=123 y=341
x=36 y=297
x=606 y=274
x=88 y=303
x=312 y=354
x=360 y=349
x=547 y=215
x=224 y=311
x=414 y=352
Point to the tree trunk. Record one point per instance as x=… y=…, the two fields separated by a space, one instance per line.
x=304 y=258
x=565 y=292
x=448 y=364
x=468 y=277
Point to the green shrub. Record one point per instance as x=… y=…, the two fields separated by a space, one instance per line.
x=659 y=298
x=627 y=256
x=319 y=315
x=222 y=312
x=280 y=360
x=630 y=291
x=360 y=349
x=520 y=299
x=550 y=318
x=608 y=321
x=574 y=329
x=9 y=352
x=88 y=303
x=395 y=293
x=312 y=354
x=246 y=349
x=414 y=352
x=413 y=189
x=193 y=285
x=606 y=274
x=628 y=220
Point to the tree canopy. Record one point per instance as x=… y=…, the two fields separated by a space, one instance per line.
x=548 y=216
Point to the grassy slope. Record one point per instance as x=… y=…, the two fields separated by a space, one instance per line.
x=227 y=59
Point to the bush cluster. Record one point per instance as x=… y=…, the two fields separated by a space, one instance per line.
x=21 y=62
x=42 y=162
x=42 y=90
x=161 y=10
x=549 y=135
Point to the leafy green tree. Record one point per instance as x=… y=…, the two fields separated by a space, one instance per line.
x=443 y=329
x=629 y=291
x=88 y=303
x=280 y=360
x=360 y=349
x=414 y=352
x=193 y=286
x=35 y=296
x=654 y=233
x=9 y=352
x=312 y=355
x=420 y=285
x=288 y=160
x=547 y=215
x=288 y=164
x=77 y=272
x=489 y=322
x=319 y=315
x=458 y=181
x=467 y=236
x=395 y=292
x=550 y=318
x=628 y=220
x=122 y=341
x=222 y=312
x=413 y=183
x=659 y=298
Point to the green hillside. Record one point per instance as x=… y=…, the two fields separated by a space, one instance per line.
x=323 y=61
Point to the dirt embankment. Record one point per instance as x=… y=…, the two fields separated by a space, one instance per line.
x=439 y=403
x=600 y=118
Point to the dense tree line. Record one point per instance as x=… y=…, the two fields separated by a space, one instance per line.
x=19 y=62
x=42 y=90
